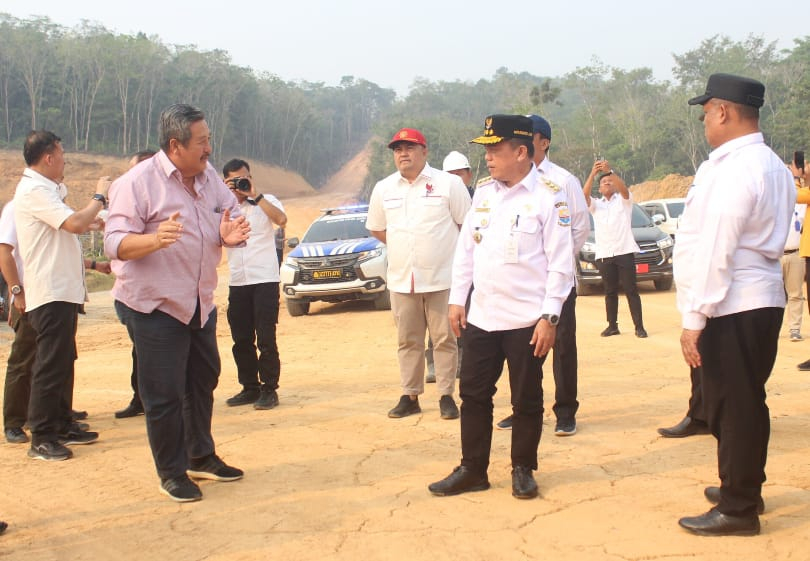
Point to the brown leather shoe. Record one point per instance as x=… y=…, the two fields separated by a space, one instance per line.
x=712 y=495
x=687 y=427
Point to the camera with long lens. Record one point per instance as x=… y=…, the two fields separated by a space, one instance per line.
x=240 y=183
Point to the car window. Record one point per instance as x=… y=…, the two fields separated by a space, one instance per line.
x=675 y=209
x=343 y=228
x=640 y=219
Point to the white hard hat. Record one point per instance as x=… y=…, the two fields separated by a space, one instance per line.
x=454 y=161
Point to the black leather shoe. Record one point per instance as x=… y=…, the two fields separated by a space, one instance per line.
x=462 y=480
x=245 y=397
x=641 y=333
x=134 y=409
x=523 y=484
x=712 y=495
x=3 y=527
x=715 y=523
x=804 y=365
x=405 y=407
x=610 y=330
x=268 y=399
x=78 y=415
x=687 y=427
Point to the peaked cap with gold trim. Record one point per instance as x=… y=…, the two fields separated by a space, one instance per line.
x=500 y=127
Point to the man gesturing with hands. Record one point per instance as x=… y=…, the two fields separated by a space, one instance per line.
x=169 y=218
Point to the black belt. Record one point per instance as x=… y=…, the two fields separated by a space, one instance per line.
x=791 y=251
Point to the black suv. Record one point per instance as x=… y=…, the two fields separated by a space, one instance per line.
x=653 y=262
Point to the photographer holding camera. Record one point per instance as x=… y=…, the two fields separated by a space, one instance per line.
x=253 y=292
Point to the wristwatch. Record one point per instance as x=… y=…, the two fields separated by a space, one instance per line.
x=16 y=289
x=551 y=318
x=100 y=198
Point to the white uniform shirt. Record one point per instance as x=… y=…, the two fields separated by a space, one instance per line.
x=732 y=233
x=521 y=267
x=612 y=219
x=8 y=236
x=795 y=230
x=52 y=257
x=420 y=221
x=257 y=262
x=580 y=225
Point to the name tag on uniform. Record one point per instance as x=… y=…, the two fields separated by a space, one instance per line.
x=510 y=252
x=392 y=203
x=431 y=201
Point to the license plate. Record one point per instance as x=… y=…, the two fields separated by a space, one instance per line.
x=642 y=268
x=329 y=274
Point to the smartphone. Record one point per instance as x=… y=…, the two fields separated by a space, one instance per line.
x=798 y=159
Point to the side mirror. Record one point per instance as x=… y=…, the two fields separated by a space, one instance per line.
x=658 y=219
x=293 y=242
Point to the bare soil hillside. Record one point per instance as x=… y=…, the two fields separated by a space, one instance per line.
x=349 y=179
x=83 y=170
x=672 y=186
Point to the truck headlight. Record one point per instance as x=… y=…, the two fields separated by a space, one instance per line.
x=366 y=255
x=664 y=243
x=588 y=247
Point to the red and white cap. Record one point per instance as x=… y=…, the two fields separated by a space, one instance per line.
x=408 y=135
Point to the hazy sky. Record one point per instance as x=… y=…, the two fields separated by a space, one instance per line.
x=392 y=43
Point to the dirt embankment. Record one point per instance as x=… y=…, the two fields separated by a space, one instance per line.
x=672 y=186
x=83 y=170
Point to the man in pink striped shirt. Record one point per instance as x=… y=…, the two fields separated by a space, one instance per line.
x=169 y=218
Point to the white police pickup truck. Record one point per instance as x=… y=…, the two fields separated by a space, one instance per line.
x=336 y=260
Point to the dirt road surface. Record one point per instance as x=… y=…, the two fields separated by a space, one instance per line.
x=329 y=476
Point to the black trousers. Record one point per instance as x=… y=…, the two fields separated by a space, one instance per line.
x=484 y=355
x=253 y=315
x=620 y=268
x=18 y=372
x=738 y=352
x=697 y=409
x=51 y=401
x=565 y=362
x=133 y=377
x=178 y=370
x=807 y=278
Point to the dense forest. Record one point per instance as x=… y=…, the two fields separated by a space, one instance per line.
x=102 y=91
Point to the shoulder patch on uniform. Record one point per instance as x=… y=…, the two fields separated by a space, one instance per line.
x=551 y=185
x=483 y=181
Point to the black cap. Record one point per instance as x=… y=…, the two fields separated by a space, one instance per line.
x=501 y=127
x=732 y=88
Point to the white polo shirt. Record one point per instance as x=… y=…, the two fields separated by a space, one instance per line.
x=257 y=262
x=612 y=219
x=732 y=233
x=421 y=221
x=52 y=257
x=515 y=249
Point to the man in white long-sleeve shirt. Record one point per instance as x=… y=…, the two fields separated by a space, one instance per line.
x=730 y=293
x=515 y=249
